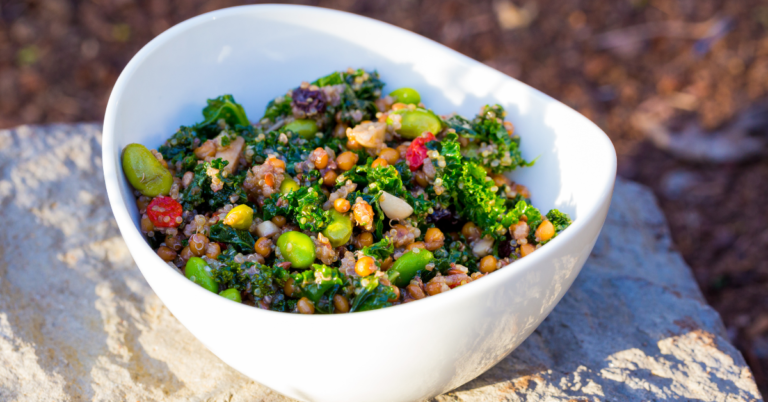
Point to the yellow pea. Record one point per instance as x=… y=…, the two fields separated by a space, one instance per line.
x=240 y=217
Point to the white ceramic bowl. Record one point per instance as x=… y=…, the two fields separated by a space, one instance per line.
x=402 y=353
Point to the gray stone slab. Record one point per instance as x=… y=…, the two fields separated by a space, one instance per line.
x=78 y=321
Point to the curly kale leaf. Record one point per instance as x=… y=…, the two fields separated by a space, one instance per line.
x=321 y=280
x=193 y=194
x=229 y=274
x=371 y=295
x=306 y=208
x=240 y=239
x=384 y=178
x=232 y=187
x=421 y=206
x=358 y=175
x=455 y=252
x=472 y=193
x=380 y=250
x=387 y=179
x=372 y=198
x=199 y=193
x=450 y=149
x=361 y=89
x=277 y=108
x=559 y=220
x=353 y=196
x=490 y=143
x=259 y=280
x=282 y=304
x=266 y=280
x=295 y=150
x=512 y=202
x=462 y=126
x=377 y=179
x=366 y=85
x=180 y=147
x=468 y=188
x=334 y=78
x=450 y=174
x=350 y=105
x=303 y=206
x=248 y=133
x=476 y=201
x=523 y=208
x=273 y=206
x=225 y=107
x=228 y=254
x=405 y=172
x=461 y=253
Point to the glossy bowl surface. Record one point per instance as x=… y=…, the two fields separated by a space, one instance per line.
x=402 y=353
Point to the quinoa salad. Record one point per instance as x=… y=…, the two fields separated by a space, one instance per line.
x=339 y=199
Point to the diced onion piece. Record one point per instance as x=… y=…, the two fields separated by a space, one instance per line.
x=266 y=228
x=483 y=247
x=394 y=207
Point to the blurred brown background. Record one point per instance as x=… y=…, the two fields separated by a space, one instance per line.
x=679 y=86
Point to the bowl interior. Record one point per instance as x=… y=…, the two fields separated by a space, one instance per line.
x=258 y=53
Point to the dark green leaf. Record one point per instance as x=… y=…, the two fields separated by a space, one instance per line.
x=380 y=250
x=277 y=108
x=317 y=281
x=240 y=239
x=225 y=107
x=334 y=78
x=371 y=295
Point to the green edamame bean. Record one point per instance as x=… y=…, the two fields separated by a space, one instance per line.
x=197 y=271
x=297 y=248
x=144 y=171
x=406 y=95
x=288 y=185
x=415 y=122
x=306 y=128
x=240 y=217
x=339 y=230
x=232 y=294
x=408 y=265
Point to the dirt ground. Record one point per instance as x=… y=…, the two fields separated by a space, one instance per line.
x=60 y=58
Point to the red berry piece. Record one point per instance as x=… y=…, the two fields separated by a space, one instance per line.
x=164 y=212
x=417 y=151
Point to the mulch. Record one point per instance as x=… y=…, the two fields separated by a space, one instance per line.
x=59 y=60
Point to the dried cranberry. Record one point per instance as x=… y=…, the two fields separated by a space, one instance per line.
x=445 y=220
x=505 y=248
x=164 y=212
x=417 y=151
x=307 y=101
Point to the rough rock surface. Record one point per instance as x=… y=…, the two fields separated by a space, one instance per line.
x=78 y=321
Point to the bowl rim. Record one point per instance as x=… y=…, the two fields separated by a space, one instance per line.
x=132 y=236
